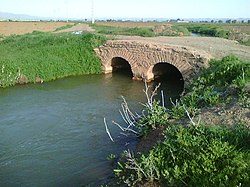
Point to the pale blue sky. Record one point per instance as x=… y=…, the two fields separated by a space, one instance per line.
x=130 y=8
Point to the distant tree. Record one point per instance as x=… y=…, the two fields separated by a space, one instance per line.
x=242 y=21
x=212 y=21
x=220 y=21
x=234 y=21
x=228 y=21
x=248 y=21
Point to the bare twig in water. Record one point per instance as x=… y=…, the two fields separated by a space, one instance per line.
x=107 y=130
x=162 y=98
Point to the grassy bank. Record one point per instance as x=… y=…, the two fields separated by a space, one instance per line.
x=39 y=57
x=196 y=153
x=159 y=30
x=238 y=32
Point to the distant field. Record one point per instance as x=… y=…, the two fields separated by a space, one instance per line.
x=9 y=28
x=242 y=28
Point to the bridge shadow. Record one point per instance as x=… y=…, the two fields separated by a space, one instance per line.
x=121 y=67
x=170 y=79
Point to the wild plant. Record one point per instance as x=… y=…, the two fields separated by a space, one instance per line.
x=194 y=156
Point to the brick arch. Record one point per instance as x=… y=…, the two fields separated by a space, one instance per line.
x=142 y=57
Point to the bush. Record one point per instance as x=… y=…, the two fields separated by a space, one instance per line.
x=194 y=156
x=154 y=117
x=210 y=87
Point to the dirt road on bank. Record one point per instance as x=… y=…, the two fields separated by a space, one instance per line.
x=217 y=47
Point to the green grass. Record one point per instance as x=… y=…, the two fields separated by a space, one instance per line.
x=47 y=56
x=208 y=29
x=144 y=32
x=224 y=80
x=193 y=156
x=64 y=27
x=109 y=30
x=214 y=84
x=221 y=30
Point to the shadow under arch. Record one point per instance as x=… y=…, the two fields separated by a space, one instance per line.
x=170 y=78
x=121 y=66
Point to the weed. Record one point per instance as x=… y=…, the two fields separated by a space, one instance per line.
x=111 y=157
x=47 y=56
x=194 y=156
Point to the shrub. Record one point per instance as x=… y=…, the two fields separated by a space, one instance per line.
x=194 y=156
x=154 y=117
x=210 y=87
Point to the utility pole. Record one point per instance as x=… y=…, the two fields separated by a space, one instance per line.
x=92 y=11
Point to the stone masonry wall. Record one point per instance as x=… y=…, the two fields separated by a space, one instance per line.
x=143 y=56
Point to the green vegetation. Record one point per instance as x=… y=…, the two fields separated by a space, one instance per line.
x=196 y=154
x=193 y=156
x=163 y=30
x=216 y=83
x=208 y=29
x=65 y=27
x=39 y=57
x=238 y=32
x=224 y=80
x=146 y=32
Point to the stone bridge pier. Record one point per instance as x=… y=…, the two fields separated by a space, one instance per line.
x=149 y=60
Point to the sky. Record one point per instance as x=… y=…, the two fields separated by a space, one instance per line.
x=81 y=9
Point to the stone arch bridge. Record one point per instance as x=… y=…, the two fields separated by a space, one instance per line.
x=143 y=57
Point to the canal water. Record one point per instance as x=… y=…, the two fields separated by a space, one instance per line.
x=53 y=134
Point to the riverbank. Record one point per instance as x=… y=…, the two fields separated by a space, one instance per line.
x=213 y=116
x=40 y=57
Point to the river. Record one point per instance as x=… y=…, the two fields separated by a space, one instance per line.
x=53 y=134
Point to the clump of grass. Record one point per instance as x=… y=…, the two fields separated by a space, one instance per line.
x=183 y=31
x=47 y=56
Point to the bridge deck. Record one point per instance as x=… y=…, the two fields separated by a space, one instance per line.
x=217 y=47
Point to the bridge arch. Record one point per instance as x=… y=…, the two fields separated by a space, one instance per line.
x=165 y=72
x=143 y=56
x=121 y=65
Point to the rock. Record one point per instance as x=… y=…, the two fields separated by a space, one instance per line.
x=39 y=80
x=247 y=88
x=22 y=79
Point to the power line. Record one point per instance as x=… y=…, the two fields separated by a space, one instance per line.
x=92 y=11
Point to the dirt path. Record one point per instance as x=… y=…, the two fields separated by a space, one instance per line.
x=217 y=47
x=79 y=27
